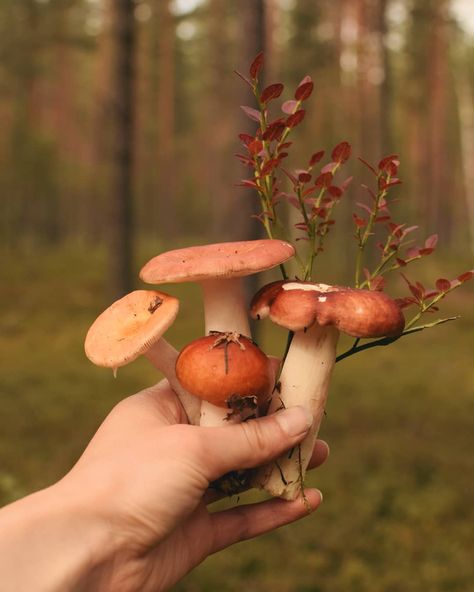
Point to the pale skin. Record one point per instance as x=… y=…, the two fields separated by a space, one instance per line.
x=135 y=512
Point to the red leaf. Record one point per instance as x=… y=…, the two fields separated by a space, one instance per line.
x=431 y=242
x=303 y=176
x=324 y=180
x=255 y=147
x=417 y=293
x=345 y=184
x=443 y=285
x=327 y=168
x=320 y=213
x=274 y=131
x=273 y=91
x=382 y=218
x=296 y=118
x=248 y=183
x=393 y=182
x=309 y=191
x=387 y=163
x=360 y=222
x=269 y=166
x=250 y=112
x=246 y=138
x=412 y=253
x=341 y=152
x=289 y=107
x=304 y=89
x=424 y=252
x=369 y=166
x=256 y=65
x=405 y=302
x=284 y=145
x=301 y=226
x=466 y=276
x=334 y=191
x=244 y=78
x=316 y=157
x=377 y=283
x=401 y=262
x=364 y=207
x=245 y=159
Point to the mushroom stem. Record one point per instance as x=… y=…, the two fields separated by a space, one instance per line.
x=163 y=356
x=224 y=306
x=224 y=311
x=304 y=381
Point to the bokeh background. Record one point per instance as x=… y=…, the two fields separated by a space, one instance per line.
x=119 y=125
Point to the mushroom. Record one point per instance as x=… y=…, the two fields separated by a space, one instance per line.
x=316 y=313
x=133 y=326
x=227 y=370
x=218 y=268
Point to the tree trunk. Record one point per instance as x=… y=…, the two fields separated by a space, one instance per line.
x=166 y=192
x=122 y=127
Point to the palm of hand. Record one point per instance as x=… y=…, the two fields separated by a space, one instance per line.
x=154 y=493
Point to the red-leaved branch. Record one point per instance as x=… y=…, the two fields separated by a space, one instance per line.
x=314 y=192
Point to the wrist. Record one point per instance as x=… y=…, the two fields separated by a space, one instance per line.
x=53 y=540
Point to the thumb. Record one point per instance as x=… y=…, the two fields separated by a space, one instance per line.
x=252 y=443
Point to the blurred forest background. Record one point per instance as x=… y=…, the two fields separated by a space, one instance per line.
x=119 y=123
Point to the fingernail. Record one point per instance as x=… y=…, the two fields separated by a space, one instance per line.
x=295 y=420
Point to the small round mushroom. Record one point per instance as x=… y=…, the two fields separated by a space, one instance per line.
x=219 y=268
x=316 y=313
x=133 y=326
x=227 y=370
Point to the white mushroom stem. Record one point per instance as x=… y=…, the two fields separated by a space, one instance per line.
x=224 y=311
x=224 y=306
x=163 y=356
x=304 y=381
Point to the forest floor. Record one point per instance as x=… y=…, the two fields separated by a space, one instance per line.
x=399 y=484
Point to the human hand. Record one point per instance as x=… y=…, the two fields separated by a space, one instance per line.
x=142 y=483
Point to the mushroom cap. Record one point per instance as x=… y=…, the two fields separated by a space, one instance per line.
x=216 y=372
x=298 y=305
x=220 y=260
x=129 y=327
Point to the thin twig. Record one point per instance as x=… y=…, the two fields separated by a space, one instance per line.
x=388 y=340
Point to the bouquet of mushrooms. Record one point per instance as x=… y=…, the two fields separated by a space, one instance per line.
x=224 y=376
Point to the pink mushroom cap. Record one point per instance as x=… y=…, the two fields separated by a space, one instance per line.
x=220 y=260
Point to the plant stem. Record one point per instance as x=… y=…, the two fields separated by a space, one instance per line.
x=388 y=340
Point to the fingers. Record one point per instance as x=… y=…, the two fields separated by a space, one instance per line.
x=251 y=443
x=319 y=456
x=246 y=522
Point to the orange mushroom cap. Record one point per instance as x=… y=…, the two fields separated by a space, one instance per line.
x=129 y=327
x=216 y=371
